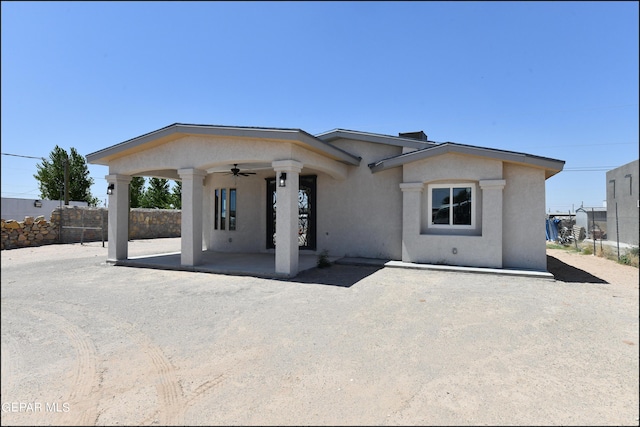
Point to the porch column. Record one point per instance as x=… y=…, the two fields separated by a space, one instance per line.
x=192 y=211
x=492 y=218
x=411 y=213
x=287 y=216
x=118 y=214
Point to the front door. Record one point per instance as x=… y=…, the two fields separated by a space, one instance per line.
x=306 y=212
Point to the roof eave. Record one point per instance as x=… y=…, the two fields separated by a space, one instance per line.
x=293 y=135
x=551 y=166
x=336 y=134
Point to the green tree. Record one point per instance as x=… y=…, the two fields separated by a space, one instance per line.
x=136 y=191
x=157 y=194
x=50 y=177
x=176 y=196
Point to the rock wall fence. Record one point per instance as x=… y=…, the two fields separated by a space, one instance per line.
x=78 y=224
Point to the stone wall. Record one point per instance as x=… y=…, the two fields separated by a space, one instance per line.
x=73 y=224
x=154 y=223
x=81 y=224
x=30 y=232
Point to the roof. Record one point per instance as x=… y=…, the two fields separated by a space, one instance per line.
x=551 y=166
x=399 y=141
x=177 y=130
x=322 y=143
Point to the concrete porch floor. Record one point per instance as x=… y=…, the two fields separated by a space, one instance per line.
x=263 y=264
x=237 y=264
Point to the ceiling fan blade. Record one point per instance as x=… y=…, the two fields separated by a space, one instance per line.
x=235 y=171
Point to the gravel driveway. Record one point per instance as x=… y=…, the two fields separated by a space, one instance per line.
x=86 y=343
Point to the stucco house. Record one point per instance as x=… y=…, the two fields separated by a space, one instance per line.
x=350 y=193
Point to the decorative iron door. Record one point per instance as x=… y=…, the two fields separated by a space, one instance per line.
x=306 y=212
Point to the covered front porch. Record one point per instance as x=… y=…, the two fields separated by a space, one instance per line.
x=221 y=219
x=225 y=213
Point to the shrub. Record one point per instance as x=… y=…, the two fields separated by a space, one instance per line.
x=630 y=257
x=323 y=259
x=625 y=259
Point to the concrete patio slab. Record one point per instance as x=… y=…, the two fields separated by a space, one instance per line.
x=263 y=264
x=502 y=271
x=237 y=264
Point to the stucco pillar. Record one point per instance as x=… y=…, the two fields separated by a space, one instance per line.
x=287 y=217
x=118 y=234
x=492 y=218
x=411 y=214
x=192 y=211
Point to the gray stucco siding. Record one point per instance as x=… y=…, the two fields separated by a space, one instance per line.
x=524 y=239
x=362 y=215
x=626 y=227
x=503 y=235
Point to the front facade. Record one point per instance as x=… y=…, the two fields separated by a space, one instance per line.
x=355 y=194
x=623 y=204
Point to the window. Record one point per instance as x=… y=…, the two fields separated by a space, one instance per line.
x=451 y=205
x=215 y=207
x=225 y=208
x=232 y=209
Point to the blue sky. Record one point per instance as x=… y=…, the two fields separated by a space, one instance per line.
x=554 y=79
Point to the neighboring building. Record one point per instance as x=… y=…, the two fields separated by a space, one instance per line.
x=593 y=220
x=623 y=203
x=18 y=209
x=350 y=193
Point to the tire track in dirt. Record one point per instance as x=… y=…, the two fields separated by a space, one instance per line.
x=170 y=399
x=169 y=390
x=82 y=402
x=204 y=388
x=11 y=365
x=173 y=404
x=84 y=397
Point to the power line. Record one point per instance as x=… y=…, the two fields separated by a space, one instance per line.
x=592 y=167
x=18 y=194
x=19 y=155
x=603 y=169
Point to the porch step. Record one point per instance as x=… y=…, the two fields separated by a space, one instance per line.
x=362 y=261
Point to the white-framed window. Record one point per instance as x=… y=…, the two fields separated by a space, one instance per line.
x=452 y=206
x=224 y=209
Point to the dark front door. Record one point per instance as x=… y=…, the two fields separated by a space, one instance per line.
x=306 y=213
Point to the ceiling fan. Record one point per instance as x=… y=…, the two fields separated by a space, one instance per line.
x=236 y=172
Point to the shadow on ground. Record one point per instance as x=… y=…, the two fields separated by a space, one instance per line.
x=567 y=273
x=336 y=275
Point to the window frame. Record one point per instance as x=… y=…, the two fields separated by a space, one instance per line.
x=451 y=186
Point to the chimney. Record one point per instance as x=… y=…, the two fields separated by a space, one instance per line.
x=420 y=136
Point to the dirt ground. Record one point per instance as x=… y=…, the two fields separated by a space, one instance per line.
x=569 y=266
x=86 y=343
